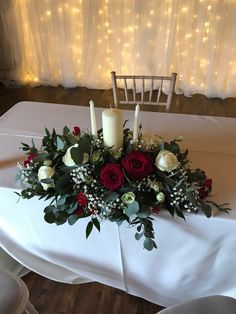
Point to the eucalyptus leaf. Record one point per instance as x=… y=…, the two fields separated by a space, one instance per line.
x=148 y=244
x=144 y=213
x=50 y=217
x=131 y=209
x=119 y=222
x=72 y=219
x=62 y=200
x=110 y=196
x=72 y=208
x=138 y=236
x=60 y=143
x=50 y=208
x=60 y=219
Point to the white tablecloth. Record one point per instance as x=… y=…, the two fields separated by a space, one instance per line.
x=194 y=258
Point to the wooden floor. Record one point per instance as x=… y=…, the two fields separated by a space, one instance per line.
x=197 y=104
x=51 y=297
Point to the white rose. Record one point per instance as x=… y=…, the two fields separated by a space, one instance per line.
x=166 y=161
x=47 y=162
x=45 y=172
x=68 y=161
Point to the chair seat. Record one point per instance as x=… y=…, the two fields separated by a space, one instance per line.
x=217 y=304
x=14 y=295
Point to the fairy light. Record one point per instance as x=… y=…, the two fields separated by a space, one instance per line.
x=184 y=10
x=108 y=36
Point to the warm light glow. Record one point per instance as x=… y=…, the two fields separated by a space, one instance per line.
x=80 y=43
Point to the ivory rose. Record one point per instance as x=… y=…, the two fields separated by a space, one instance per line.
x=67 y=159
x=166 y=161
x=45 y=172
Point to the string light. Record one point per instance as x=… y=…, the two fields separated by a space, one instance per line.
x=117 y=47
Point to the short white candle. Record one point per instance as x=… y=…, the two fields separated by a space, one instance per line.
x=112 y=124
x=93 y=119
x=136 y=122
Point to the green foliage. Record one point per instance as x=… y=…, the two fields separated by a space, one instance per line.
x=76 y=192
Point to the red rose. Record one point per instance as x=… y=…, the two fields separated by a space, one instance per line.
x=138 y=165
x=79 y=211
x=205 y=190
x=156 y=210
x=81 y=199
x=111 y=176
x=30 y=158
x=76 y=130
x=26 y=163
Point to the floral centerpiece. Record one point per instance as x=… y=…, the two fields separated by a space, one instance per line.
x=82 y=177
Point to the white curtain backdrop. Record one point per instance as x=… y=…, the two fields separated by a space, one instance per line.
x=79 y=42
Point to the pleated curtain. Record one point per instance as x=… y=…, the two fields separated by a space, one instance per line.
x=79 y=42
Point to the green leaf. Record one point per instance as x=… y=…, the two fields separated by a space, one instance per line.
x=131 y=209
x=77 y=155
x=47 y=132
x=66 y=130
x=47 y=180
x=89 y=229
x=180 y=214
x=24 y=144
x=206 y=209
x=33 y=150
x=72 y=139
x=96 y=223
x=148 y=244
x=60 y=143
x=192 y=199
x=64 y=182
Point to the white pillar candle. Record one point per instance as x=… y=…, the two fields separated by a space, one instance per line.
x=136 y=122
x=93 y=119
x=112 y=124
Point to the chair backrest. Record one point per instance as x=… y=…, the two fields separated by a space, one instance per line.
x=149 y=87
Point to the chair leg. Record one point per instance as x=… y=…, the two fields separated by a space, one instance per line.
x=30 y=309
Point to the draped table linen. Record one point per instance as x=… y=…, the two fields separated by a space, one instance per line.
x=194 y=258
